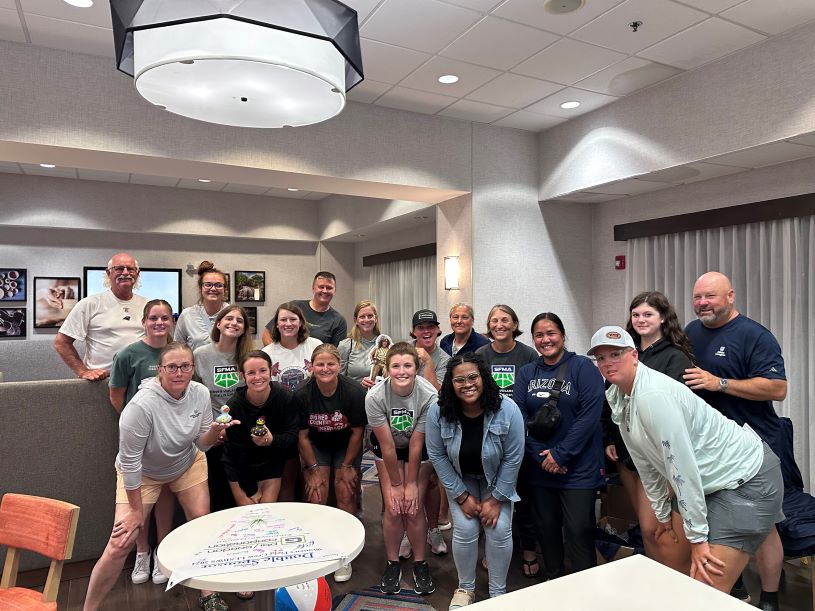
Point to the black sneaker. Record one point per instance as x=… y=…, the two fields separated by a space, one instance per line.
x=739 y=591
x=422 y=578
x=391 y=578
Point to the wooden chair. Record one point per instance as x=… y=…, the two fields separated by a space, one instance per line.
x=44 y=526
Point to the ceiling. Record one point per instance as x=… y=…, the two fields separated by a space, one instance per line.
x=516 y=61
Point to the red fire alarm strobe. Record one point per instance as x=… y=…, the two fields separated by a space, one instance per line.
x=619 y=262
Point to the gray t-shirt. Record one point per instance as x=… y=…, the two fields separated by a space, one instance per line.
x=504 y=366
x=440 y=358
x=194 y=326
x=218 y=371
x=404 y=414
x=355 y=360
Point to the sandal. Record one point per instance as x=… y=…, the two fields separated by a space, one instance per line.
x=245 y=595
x=526 y=568
x=213 y=602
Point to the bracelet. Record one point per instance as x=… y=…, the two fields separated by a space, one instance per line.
x=395 y=485
x=310 y=467
x=347 y=466
x=464 y=500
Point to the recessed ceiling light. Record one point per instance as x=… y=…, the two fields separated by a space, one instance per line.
x=204 y=180
x=570 y=104
x=290 y=189
x=47 y=165
x=448 y=79
x=80 y=3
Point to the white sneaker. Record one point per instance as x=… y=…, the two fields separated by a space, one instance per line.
x=141 y=569
x=158 y=577
x=405 y=551
x=436 y=542
x=445 y=525
x=461 y=598
x=343 y=573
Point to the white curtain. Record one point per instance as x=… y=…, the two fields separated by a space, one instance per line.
x=771 y=267
x=399 y=289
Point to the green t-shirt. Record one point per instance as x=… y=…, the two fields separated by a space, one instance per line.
x=131 y=365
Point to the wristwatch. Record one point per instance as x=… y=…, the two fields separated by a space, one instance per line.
x=722 y=384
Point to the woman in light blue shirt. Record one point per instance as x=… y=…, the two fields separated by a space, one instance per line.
x=475 y=439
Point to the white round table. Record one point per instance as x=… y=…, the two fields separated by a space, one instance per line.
x=335 y=529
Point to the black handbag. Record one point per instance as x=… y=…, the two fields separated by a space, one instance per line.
x=547 y=418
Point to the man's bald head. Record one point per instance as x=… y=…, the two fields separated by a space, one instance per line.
x=714 y=299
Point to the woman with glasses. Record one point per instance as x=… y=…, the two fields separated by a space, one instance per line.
x=463 y=338
x=216 y=366
x=565 y=458
x=663 y=346
x=475 y=439
x=195 y=322
x=132 y=366
x=163 y=432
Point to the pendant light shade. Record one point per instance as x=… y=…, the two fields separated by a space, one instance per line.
x=250 y=63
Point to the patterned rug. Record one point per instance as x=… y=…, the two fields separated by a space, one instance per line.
x=372 y=599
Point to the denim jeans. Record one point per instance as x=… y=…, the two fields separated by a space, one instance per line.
x=465 y=541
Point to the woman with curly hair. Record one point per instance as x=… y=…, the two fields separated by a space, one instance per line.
x=663 y=346
x=475 y=439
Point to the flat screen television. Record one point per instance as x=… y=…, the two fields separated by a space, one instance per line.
x=154 y=283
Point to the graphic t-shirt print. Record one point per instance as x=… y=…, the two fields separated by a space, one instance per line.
x=225 y=379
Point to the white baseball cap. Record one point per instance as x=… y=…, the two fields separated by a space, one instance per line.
x=611 y=336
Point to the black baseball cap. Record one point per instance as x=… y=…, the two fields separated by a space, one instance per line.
x=424 y=316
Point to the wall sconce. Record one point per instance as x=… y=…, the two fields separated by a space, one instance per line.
x=451 y=273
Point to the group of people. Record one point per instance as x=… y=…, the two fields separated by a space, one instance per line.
x=482 y=431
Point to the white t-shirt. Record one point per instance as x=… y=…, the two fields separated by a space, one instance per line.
x=106 y=325
x=291 y=367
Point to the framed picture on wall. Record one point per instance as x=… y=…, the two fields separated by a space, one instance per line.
x=54 y=298
x=12 y=323
x=252 y=322
x=250 y=286
x=13 y=284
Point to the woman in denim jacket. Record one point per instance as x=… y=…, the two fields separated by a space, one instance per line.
x=475 y=439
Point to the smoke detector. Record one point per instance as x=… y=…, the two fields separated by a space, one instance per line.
x=562 y=7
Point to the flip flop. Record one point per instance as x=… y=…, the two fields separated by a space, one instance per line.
x=526 y=568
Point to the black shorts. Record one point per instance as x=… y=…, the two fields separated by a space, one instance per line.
x=401 y=453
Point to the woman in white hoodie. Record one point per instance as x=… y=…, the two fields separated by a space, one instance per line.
x=163 y=432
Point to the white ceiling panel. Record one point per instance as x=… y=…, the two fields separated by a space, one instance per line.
x=98 y=14
x=711 y=170
x=368 y=91
x=532 y=12
x=711 y=6
x=193 y=183
x=530 y=121
x=315 y=196
x=424 y=25
x=788 y=14
x=8 y=4
x=244 y=189
x=628 y=76
x=514 y=90
x=692 y=172
x=154 y=181
x=702 y=43
x=767 y=154
x=477 y=5
x=587 y=197
x=806 y=139
x=10 y=26
x=103 y=175
x=34 y=169
x=478 y=45
x=362 y=7
x=476 y=111
x=70 y=36
x=471 y=77
x=630 y=186
x=568 y=61
x=660 y=19
x=387 y=63
x=589 y=101
x=415 y=101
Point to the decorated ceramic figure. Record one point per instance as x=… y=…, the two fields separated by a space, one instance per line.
x=224 y=416
x=259 y=430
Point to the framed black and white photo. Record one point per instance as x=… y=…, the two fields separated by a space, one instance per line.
x=250 y=286
x=12 y=323
x=54 y=298
x=13 y=284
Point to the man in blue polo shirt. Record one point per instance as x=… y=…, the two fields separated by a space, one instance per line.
x=740 y=373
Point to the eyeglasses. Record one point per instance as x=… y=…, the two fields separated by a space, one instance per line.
x=613 y=357
x=173 y=368
x=213 y=285
x=464 y=380
x=123 y=268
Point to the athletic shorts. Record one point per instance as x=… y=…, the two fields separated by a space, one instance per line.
x=151 y=488
x=401 y=453
x=327 y=457
x=742 y=518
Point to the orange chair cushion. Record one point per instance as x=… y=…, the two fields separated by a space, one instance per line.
x=35 y=523
x=22 y=599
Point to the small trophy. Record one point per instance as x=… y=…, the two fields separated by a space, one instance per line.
x=259 y=430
